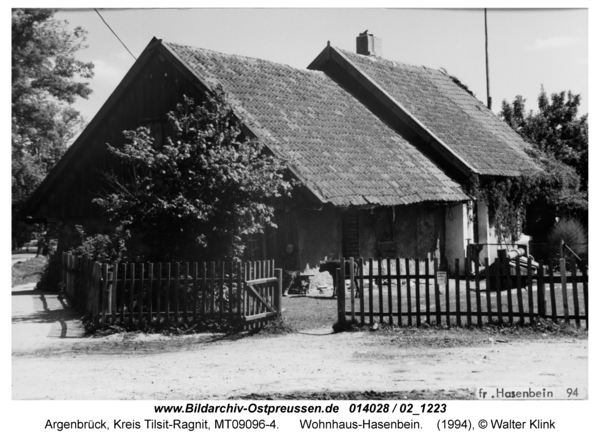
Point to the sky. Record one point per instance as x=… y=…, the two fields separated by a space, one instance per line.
x=528 y=48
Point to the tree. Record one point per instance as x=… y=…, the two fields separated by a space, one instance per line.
x=560 y=146
x=555 y=130
x=201 y=192
x=46 y=79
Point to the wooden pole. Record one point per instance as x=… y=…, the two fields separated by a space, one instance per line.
x=341 y=294
x=487 y=62
x=352 y=274
x=278 y=275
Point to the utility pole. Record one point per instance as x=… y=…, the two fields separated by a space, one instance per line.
x=487 y=62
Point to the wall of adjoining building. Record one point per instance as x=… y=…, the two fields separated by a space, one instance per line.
x=319 y=235
x=409 y=231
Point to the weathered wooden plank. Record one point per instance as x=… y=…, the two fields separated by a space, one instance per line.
x=498 y=290
x=563 y=281
x=530 y=290
x=507 y=277
x=247 y=269
x=447 y=294
x=371 y=320
x=271 y=280
x=541 y=294
x=123 y=291
x=399 y=292
x=211 y=289
x=150 y=291
x=104 y=291
x=488 y=295
x=520 y=294
x=159 y=290
x=362 y=290
x=438 y=307
x=380 y=290
x=418 y=291
x=186 y=285
x=240 y=294
x=352 y=287
x=113 y=291
x=222 y=289
x=204 y=289
x=408 y=291
x=575 y=295
x=168 y=292
x=260 y=316
x=230 y=299
x=585 y=294
x=195 y=292
x=176 y=290
x=141 y=291
x=96 y=276
x=131 y=292
x=427 y=292
x=552 y=291
x=478 y=296
x=389 y=291
x=467 y=292
x=278 y=290
x=341 y=292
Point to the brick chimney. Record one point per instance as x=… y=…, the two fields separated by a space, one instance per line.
x=367 y=44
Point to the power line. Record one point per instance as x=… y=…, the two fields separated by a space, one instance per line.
x=115 y=34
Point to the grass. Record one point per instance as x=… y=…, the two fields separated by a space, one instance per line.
x=309 y=312
x=28 y=271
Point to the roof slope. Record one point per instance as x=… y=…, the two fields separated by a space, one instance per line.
x=338 y=148
x=458 y=119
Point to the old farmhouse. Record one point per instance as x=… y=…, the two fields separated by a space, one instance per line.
x=381 y=149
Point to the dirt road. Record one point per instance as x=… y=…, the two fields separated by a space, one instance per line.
x=51 y=361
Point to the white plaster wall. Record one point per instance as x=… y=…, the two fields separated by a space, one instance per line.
x=459 y=232
x=484 y=230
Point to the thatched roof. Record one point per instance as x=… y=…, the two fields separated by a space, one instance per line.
x=340 y=150
x=460 y=121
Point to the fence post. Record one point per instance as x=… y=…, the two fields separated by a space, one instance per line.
x=341 y=294
x=279 y=287
x=352 y=288
x=104 y=292
x=563 y=282
x=561 y=250
x=541 y=291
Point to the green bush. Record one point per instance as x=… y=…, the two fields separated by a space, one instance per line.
x=103 y=248
x=573 y=234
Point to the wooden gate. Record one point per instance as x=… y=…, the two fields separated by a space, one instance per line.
x=262 y=299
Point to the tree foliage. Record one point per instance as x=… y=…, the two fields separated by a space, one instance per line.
x=560 y=146
x=198 y=194
x=46 y=80
x=554 y=130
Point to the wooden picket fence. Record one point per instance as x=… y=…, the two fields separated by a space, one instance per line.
x=414 y=292
x=183 y=293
